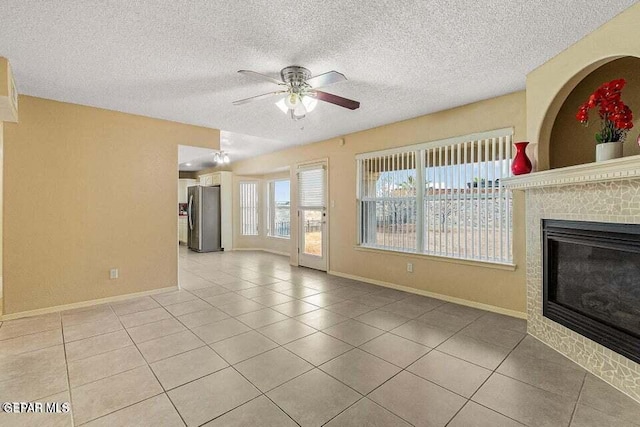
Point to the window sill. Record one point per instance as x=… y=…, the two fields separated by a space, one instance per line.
x=470 y=262
x=279 y=237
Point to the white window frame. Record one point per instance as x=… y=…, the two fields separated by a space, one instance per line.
x=249 y=221
x=468 y=149
x=271 y=209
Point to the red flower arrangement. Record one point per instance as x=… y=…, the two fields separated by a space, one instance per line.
x=617 y=118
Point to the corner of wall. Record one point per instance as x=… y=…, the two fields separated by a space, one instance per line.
x=1 y=213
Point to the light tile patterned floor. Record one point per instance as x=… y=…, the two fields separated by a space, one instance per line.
x=253 y=341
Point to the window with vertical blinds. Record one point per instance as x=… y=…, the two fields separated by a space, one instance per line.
x=311 y=194
x=442 y=198
x=388 y=201
x=249 y=208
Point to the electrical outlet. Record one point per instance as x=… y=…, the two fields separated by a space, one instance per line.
x=113 y=273
x=410 y=267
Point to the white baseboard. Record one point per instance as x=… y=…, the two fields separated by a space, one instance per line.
x=486 y=307
x=271 y=251
x=89 y=303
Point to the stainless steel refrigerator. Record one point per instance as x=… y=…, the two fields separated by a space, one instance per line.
x=203 y=215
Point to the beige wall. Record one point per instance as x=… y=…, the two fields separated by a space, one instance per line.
x=501 y=288
x=1 y=210
x=87 y=190
x=549 y=85
x=4 y=76
x=574 y=144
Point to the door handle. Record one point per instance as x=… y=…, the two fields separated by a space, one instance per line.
x=190 y=212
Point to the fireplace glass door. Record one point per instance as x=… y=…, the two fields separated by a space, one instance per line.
x=592 y=281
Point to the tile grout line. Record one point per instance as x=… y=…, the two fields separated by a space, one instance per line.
x=123 y=408
x=232 y=366
x=291 y=379
x=66 y=365
x=493 y=372
x=526 y=383
x=372 y=401
x=575 y=407
x=28 y=334
x=467 y=399
x=128 y=370
x=314 y=366
x=283 y=345
x=152 y=372
x=362 y=396
x=93 y=336
x=265 y=393
x=132 y=342
x=30 y=351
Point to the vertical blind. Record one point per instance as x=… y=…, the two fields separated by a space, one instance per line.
x=311 y=191
x=388 y=201
x=249 y=208
x=442 y=198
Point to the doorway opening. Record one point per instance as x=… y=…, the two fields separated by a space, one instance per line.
x=312 y=216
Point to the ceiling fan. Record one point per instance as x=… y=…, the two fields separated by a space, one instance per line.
x=299 y=90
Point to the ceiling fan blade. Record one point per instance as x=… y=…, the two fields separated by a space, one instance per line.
x=326 y=79
x=261 y=76
x=337 y=100
x=253 y=98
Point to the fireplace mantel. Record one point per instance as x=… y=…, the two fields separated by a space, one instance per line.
x=610 y=170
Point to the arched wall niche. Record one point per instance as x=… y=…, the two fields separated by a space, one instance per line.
x=543 y=138
x=570 y=143
x=549 y=85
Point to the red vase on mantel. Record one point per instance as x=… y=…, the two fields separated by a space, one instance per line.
x=521 y=164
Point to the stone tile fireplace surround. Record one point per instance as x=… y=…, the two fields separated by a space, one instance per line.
x=603 y=192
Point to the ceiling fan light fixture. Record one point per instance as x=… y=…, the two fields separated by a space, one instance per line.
x=309 y=103
x=292 y=100
x=226 y=159
x=300 y=90
x=282 y=106
x=300 y=111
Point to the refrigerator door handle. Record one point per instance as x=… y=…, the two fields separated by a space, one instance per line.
x=190 y=212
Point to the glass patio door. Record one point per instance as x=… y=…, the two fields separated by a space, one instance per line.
x=312 y=221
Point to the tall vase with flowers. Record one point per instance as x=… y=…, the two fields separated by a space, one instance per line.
x=616 y=119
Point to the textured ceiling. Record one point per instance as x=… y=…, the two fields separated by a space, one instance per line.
x=192 y=159
x=177 y=59
x=236 y=145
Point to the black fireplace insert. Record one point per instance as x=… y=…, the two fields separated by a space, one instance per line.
x=591 y=279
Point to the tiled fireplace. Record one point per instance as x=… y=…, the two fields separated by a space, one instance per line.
x=591 y=274
x=597 y=196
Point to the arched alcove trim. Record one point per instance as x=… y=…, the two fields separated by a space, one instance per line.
x=546 y=125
